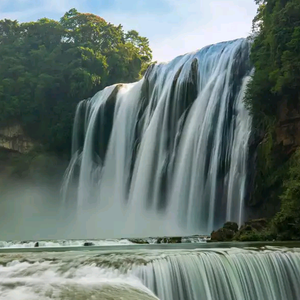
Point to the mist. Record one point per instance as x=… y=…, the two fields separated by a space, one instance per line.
x=30 y=211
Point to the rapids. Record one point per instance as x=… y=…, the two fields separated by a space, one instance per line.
x=268 y=273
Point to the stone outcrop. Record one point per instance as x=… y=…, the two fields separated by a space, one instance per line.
x=232 y=226
x=139 y=241
x=276 y=145
x=169 y=240
x=226 y=233
x=252 y=230
x=288 y=129
x=13 y=138
x=88 y=244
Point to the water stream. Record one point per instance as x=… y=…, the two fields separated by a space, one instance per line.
x=265 y=273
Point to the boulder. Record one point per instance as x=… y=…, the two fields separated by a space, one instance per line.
x=139 y=241
x=232 y=226
x=175 y=240
x=222 y=235
x=88 y=244
x=161 y=241
x=226 y=233
x=169 y=240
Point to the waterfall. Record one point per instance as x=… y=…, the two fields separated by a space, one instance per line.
x=233 y=274
x=269 y=273
x=167 y=154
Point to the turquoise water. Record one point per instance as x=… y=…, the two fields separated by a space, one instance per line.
x=219 y=271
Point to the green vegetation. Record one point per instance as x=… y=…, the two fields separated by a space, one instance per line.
x=47 y=66
x=275 y=86
x=286 y=223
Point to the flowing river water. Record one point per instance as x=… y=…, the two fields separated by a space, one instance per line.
x=179 y=272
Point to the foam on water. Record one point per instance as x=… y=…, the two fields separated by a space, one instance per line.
x=269 y=273
x=63 y=243
x=106 y=242
x=45 y=280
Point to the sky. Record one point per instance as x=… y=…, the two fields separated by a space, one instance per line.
x=173 y=27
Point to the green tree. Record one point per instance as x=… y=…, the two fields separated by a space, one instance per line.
x=48 y=66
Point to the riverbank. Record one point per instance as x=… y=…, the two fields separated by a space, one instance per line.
x=253 y=230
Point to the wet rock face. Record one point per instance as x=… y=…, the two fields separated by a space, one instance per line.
x=285 y=141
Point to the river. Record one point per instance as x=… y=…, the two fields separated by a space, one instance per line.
x=219 y=271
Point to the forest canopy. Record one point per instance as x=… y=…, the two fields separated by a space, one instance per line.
x=47 y=66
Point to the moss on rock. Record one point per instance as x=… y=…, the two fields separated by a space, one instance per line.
x=252 y=230
x=226 y=233
x=255 y=230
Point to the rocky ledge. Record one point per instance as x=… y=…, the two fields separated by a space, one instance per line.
x=169 y=240
x=252 y=230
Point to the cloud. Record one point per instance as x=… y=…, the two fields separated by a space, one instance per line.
x=173 y=27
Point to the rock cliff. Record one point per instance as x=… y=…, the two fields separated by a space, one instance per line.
x=13 y=138
x=288 y=128
x=268 y=166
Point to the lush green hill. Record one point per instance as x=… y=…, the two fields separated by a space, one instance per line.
x=47 y=66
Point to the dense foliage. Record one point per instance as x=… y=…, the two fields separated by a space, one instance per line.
x=47 y=66
x=287 y=222
x=275 y=86
x=276 y=57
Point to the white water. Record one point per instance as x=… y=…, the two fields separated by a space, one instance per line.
x=222 y=275
x=216 y=274
x=94 y=242
x=63 y=243
x=27 y=279
x=174 y=160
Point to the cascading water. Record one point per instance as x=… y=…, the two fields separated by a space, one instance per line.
x=210 y=274
x=222 y=275
x=168 y=154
